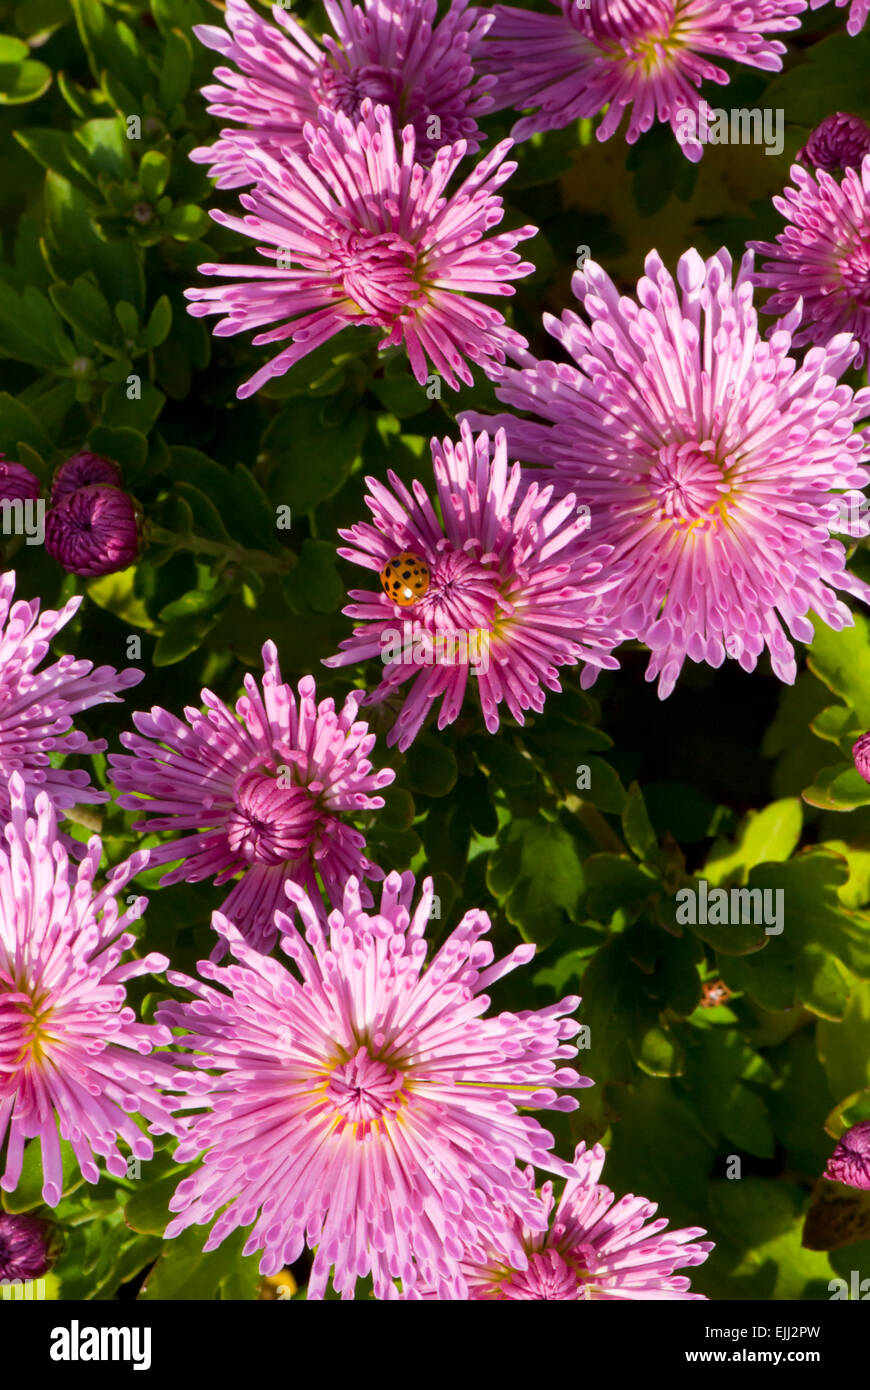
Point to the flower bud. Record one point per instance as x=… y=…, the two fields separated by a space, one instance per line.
x=25 y=1247
x=80 y=471
x=93 y=531
x=17 y=482
x=840 y=142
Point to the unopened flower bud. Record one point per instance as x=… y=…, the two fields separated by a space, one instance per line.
x=93 y=531
x=81 y=470
x=17 y=482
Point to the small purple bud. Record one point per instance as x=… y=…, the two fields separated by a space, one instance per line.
x=861 y=754
x=93 y=531
x=80 y=471
x=850 y=1161
x=24 y=1247
x=17 y=482
x=840 y=142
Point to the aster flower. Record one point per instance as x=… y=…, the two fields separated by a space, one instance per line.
x=364 y=1103
x=93 y=531
x=594 y=1250
x=37 y=706
x=850 y=1161
x=400 y=56
x=821 y=258
x=371 y=239
x=17 y=483
x=858 y=12
x=708 y=457
x=81 y=470
x=25 y=1247
x=514 y=590
x=263 y=791
x=72 y=1055
x=647 y=57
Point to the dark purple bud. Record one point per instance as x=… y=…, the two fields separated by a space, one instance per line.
x=17 y=482
x=861 y=754
x=93 y=531
x=24 y=1247
x=850 y=1161
x=80 y=471
x=840 y=142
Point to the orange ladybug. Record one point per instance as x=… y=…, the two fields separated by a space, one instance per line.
x=405 y=578
x=715 y=992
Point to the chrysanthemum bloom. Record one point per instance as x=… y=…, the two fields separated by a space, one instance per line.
x=821 y=258
x=858 y=12
x=515 y=591
x=647 y=57
x=707 y=456
x=37 y=707
x=24 y=1247
x=363 y=1103
x=840 y=142
x=263 y=792
x=17 y=483
x=593 y=1250
x=861 y=755
x=70 y=1050
x=361 y=234
x=93 y=531
x=850 y=1161
x=81 y=470
x=400 y=56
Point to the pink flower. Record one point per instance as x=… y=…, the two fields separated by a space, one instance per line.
x=363 y=1103
x=400 y=56
x=594 y=1250
x=514 y=590
x=647 y=57
x=93 y=531
x=262 y=791
x=37 y=707
x=850 y=1161
x=362 y=234
x=72 y=1056
x=17 y=483
x=821 y=259
x=858 y=12
x=710 y=459
x=81 y=470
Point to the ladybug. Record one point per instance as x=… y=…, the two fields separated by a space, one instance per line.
x=405 y=578
x=715 y=992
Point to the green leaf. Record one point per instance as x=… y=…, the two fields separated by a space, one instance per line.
x=125 y=445
x=175 y=70
x=18 y=423
x=31 y=330
x=616 y=881
x=537 y=874
x=760 y=1247
x=719 y=1066
x=158 y=326
x=287 y=443
x=833 y=77
x=51 y=148
x=844 y=1047
x=28 y=1191
x=101 y=147
x=821 y=942
x=187 y=222
x=841 y=660
x=148 y=1209
x=764 y=836
x=431 y=766
x=153 y=174
x=838 y=788
x=314 y=583
x=21 y=81
x=74 y=247
x=84 y=306
x=184 y=1273
x=207 y=519
x=111 y=46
